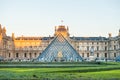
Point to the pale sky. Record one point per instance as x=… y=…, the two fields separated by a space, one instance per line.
x=85 y=18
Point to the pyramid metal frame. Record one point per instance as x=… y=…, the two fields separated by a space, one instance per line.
x=62 y=46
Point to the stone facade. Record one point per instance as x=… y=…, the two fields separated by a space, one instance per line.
x=29 y=48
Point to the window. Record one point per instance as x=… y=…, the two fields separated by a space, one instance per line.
x=114 y=41
x=30 y=55
x=105 y=48
x=9 y=55
x=35 y=54
x=97 y=48
x=17 y=55
x=30 y=46
x=114 y=47
x=92 y=43
x=105 y=54
x=87 y=48
x=105 y=43
x=82 y=54
x=97 y=54
x=25 y=55
x=114 y=54
x=87 y=54
x=97 y=43
x=35 y=46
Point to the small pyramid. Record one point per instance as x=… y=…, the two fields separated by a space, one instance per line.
x=59 y=50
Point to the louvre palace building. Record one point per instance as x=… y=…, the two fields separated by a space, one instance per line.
x=60 y=47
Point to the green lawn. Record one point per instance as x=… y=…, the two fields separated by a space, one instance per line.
x=61 y=71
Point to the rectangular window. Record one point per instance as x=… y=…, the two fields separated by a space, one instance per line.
x=97 y=54
x=30 y=55
x=17 y=55
x=105 y=43
x=114 y=54
x=9 y=54
x=82 y=54
x=105 y=48
x=25 y=55
x=35 y=54
x=30 y=46
x=87 y=48
x=92 y=43
x=97 y=43
x=114 y=47
x=105 y=54
x=97 y=48
x=87 y=54
x=114 y=41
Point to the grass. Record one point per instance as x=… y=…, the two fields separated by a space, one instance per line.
x=61 y=71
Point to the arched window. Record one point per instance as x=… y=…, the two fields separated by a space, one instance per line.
x=87 y=54
x=97 y=54
x=25 y=55
x=82 y=54
x=9 y=55
x=30 y=55
x=35 y=54
x=105 y=54
x=114 y=54
x=97 y=48
x=17 y=55
x=87 y=48
x=105 y=48
x=114 y=47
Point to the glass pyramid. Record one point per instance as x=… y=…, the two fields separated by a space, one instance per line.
x=59 y=50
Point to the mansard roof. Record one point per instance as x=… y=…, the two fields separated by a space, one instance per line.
x=74 y=38
x=89 y=38
x=47 y=38
x=28 y=38
x=33 y=38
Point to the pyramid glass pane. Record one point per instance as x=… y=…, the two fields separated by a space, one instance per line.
x=59 y=50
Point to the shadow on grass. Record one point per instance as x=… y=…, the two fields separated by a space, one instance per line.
x=22 y=66
x=53 y=65
x=86 y=70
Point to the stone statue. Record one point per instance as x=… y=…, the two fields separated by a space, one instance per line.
x=92 y=51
